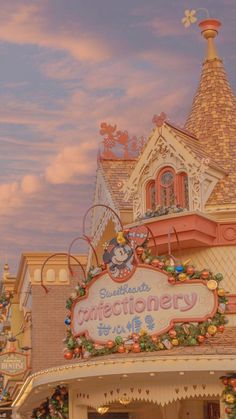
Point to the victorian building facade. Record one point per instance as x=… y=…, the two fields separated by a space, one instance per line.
x=181 y=188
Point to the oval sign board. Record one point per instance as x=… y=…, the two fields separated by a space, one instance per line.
x=145 y=302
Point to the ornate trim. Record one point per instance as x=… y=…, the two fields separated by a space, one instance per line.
x=160 y=393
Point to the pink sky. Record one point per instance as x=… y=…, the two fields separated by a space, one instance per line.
x=68 y=65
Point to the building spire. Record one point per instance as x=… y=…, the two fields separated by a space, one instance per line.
x=212 y=118
x=209 y=28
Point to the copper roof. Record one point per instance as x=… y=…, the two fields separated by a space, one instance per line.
x=116 y=172
x=213 y=121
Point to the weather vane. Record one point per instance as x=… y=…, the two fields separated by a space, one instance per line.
x=190 y=16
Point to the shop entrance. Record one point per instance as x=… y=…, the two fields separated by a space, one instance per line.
x=184 y=409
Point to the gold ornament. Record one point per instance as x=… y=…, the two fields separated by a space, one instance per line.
x=221 y=292
x=212 y=284
x=229 y=398
x=182 y=277
x=212 y=329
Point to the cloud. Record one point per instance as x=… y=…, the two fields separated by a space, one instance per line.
x=72 y=161
x=30 y=184
x=13 y=194
x=26 y=24
x=9 y=197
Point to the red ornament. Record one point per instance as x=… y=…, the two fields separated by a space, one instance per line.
x=172 y=333
x=228 y=410
x=161 y=265
x=68 y=355
x=110 y=344
x=225 y=381
x=205 y=274
x=190 y=270
x=221 y=329
x=139 y=250
x=201 y=338
x=135 y=337
x=136 y=347
x=121 y=349
x=77 y=351
x=171 y=280
x=154 y=338
x=232 y=382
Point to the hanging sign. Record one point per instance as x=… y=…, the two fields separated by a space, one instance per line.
x=146 y=301
x=13 y=363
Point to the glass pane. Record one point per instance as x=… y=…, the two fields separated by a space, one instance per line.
x=167 y=179
x=153 y=196
x=186 y=198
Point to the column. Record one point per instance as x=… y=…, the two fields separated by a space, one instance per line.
x=223 y=415
x=76 y=411
x=171 y=410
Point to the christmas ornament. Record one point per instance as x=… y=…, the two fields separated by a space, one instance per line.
x=182 y=277
x=205 y=274
x=212 y=284
x=212 y=329
x=136 y=347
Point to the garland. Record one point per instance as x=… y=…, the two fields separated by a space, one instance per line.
x=184 y=334
x=5 y=299
x=229 y=394
x=54 y=408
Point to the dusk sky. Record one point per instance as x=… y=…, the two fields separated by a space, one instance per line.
x=68 y=65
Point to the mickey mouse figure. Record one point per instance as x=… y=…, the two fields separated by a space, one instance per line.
x=119 y=256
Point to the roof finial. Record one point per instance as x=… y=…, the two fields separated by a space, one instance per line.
x=209 y=28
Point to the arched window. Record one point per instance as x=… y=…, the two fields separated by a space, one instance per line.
x=166 y=190
x=169 y=188
x=151 y=195
x=182 y=192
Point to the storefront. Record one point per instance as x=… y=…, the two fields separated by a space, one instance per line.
x=150 y=335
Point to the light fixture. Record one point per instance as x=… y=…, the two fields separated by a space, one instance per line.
x=102 y=410
x=181 y=373
x=124 y=400
x=212 y=372
x=152 y=374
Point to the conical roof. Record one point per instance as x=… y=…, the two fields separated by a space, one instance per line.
x=212 y=120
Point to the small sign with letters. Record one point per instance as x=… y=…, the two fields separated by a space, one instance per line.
x=13 y=363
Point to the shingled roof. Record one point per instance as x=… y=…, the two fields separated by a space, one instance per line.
x=195 y=146
x=213 y=121
x=116 y=172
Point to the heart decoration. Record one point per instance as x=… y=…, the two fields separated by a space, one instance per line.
x=137 y=236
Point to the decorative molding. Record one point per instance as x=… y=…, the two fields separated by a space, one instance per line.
x=164 y=148
x=161 y=393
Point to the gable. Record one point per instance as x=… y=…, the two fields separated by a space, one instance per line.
x=168 y=147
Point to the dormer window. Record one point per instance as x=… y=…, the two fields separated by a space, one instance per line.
x=166 y=187
x=151 y=195
x=167 y=190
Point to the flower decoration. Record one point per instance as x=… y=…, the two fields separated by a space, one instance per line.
x=189 y=18
x=159 y=120
x=55 y=407
x=229 y=394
